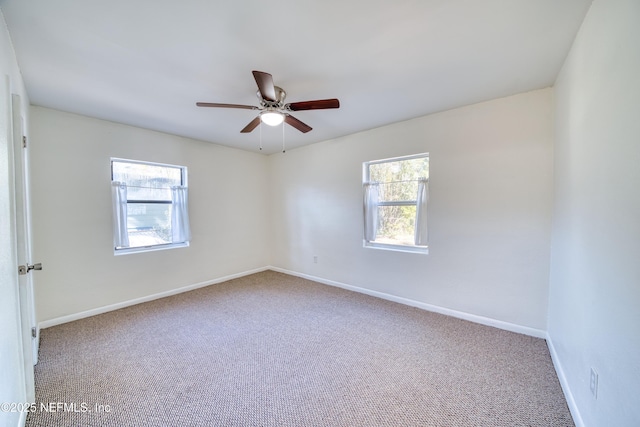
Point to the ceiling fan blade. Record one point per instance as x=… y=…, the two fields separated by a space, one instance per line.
x=265 y=85
x=319 y=104
x=214 y=104
x=302 y=127
x=251 y=126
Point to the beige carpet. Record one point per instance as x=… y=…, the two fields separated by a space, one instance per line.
x=275 y=350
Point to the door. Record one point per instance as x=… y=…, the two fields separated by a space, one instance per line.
x=23 y=246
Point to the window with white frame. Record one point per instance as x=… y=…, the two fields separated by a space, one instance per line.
x=150 y=206
x=396 y=192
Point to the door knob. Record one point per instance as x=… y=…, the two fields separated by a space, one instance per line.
x=24 y=269
x=37 y=266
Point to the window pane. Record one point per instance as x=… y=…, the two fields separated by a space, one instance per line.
x=399 y=179
x=399 y=170
x=398 y=191
x=147 y=182
x=149 y=224
x=396 y=225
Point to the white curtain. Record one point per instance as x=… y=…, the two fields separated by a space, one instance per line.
x=421 y=234
x=371 y=196
x=180 y=229
x=119 y=199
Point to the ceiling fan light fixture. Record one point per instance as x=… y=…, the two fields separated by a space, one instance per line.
x=272 y=118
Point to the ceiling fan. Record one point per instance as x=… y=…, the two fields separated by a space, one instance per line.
x=273 y=110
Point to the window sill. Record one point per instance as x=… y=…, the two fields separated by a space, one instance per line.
x=140 y=249
x=424 y=250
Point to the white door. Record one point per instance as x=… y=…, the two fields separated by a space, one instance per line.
x=23 y=246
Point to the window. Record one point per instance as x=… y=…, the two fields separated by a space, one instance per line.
x=150 y=206
x=395 y=203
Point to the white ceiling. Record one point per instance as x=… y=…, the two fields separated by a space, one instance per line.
x=147 y=62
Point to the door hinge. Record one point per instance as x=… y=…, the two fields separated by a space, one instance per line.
x=34 y=333
x=24 y=141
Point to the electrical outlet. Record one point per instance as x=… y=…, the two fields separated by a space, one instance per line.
x=315 y=259
x=593 y=383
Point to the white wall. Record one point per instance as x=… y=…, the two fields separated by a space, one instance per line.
x=489 y=213
x=11 y=374
x=72 y=228
x=594 y=302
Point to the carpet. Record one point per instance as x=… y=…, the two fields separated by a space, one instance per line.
x=271 y=349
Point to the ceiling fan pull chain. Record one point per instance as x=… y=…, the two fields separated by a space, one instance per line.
x=260 y=135
x=283 y=150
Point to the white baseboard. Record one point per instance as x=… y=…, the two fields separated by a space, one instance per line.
x=538 y=333
x=512 y=327
x=573 y=408
x=111 y=307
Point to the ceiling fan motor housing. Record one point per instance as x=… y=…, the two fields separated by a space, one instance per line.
x=278 y=103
